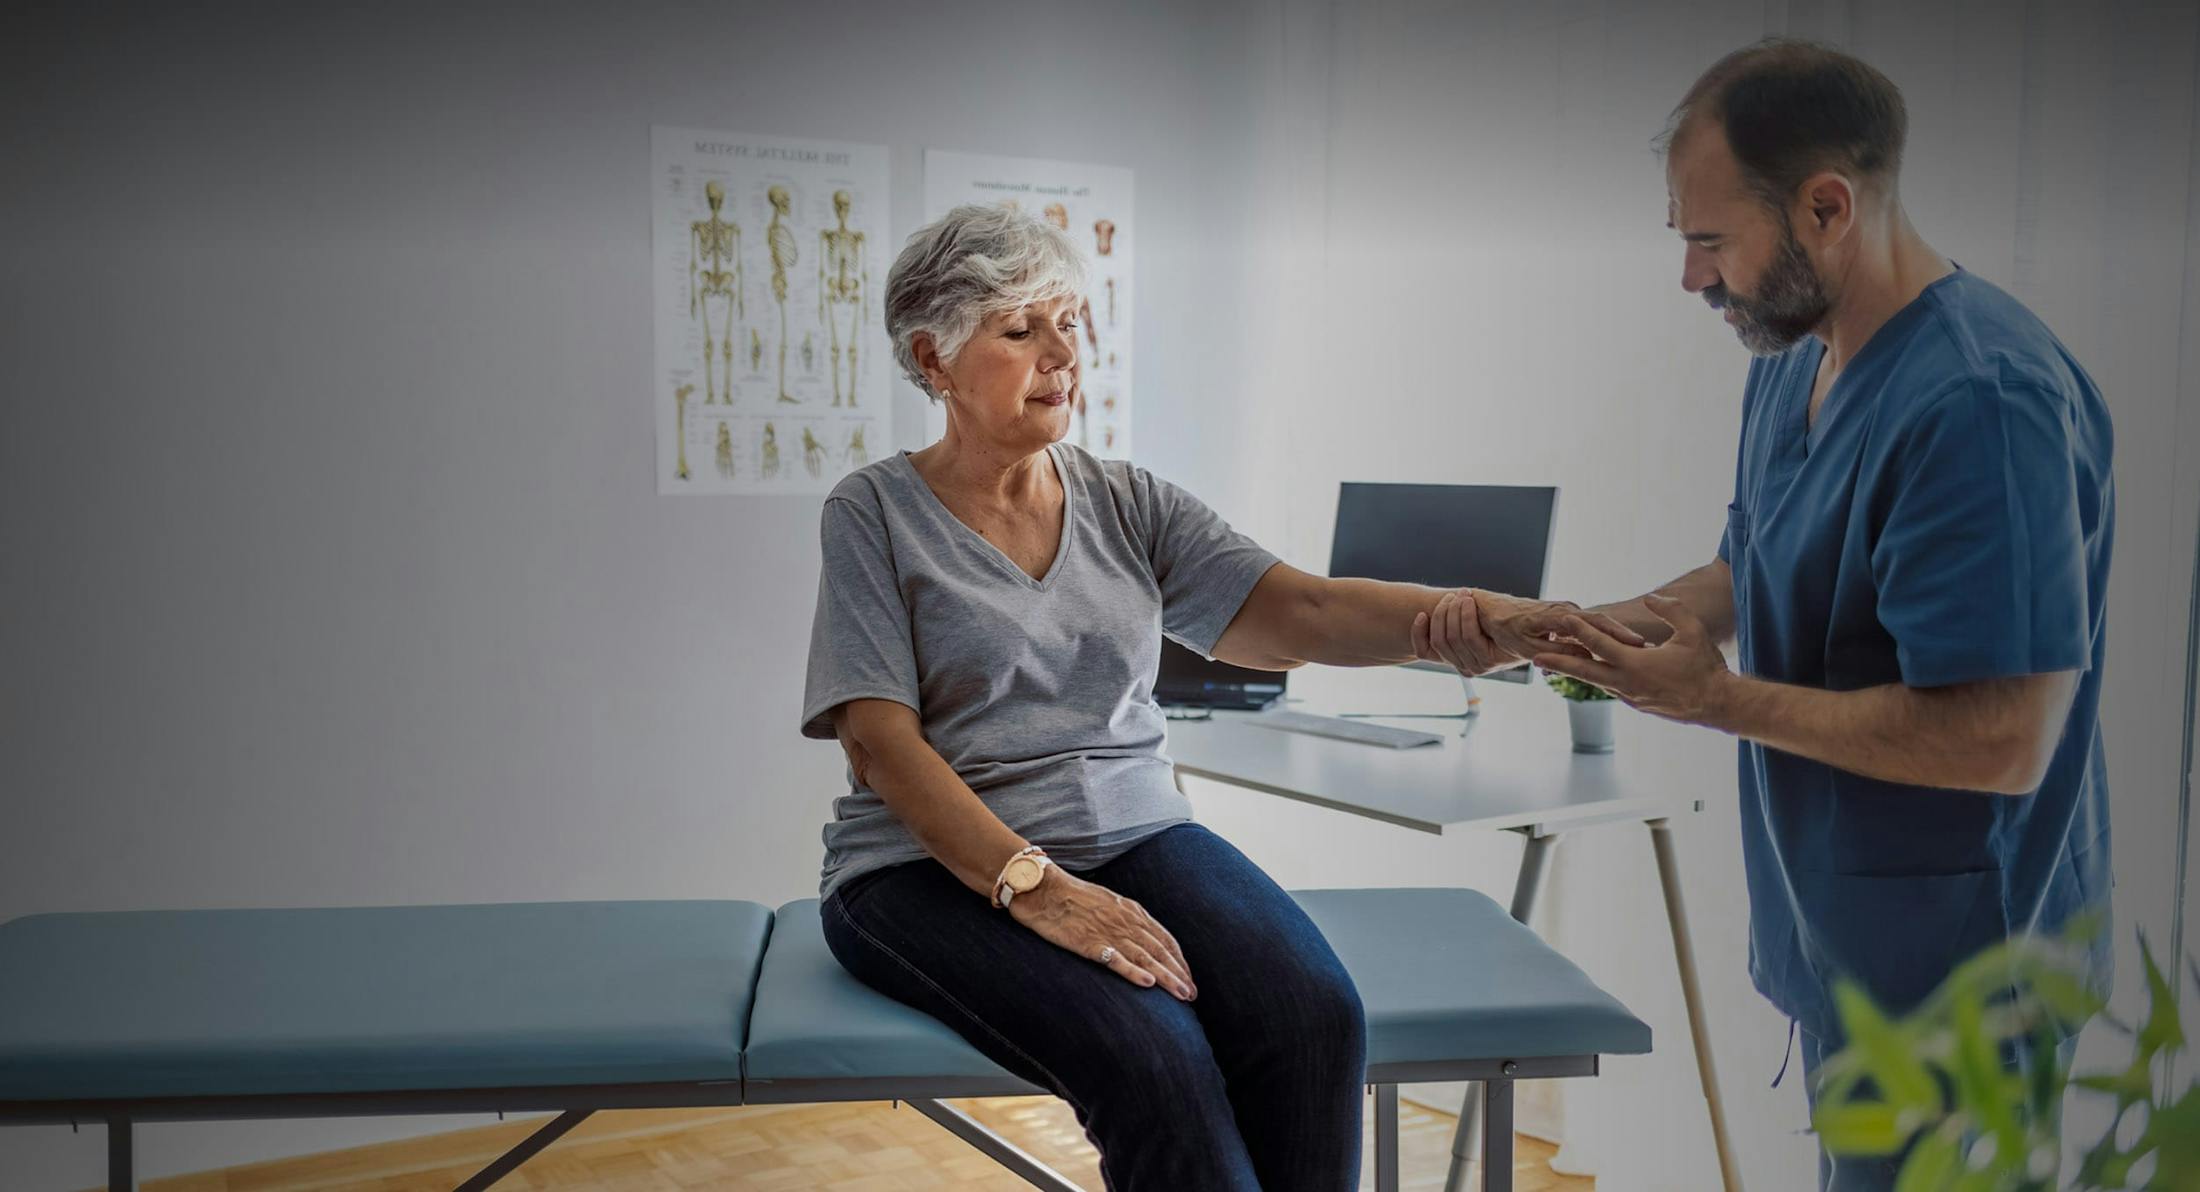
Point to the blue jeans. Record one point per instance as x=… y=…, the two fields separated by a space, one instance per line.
x=1255 y=1085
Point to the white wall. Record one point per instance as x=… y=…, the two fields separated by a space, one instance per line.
x=333 y=563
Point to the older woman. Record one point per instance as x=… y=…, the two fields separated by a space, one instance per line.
x=1014 y=856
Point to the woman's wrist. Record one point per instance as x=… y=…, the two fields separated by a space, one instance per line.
x=1020 y=874
x=1052 y=884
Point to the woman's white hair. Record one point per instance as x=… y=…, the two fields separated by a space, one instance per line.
x=975 y=261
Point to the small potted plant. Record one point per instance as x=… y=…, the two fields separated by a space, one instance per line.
x=1589 y=707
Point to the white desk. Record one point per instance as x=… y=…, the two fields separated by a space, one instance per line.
x=1514 y=769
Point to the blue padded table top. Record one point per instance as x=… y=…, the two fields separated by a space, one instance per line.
x=1449 y=975
x=816 y=1022
x=364 y=999
x=1444 y=975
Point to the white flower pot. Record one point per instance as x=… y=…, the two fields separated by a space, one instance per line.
x=1592 y=721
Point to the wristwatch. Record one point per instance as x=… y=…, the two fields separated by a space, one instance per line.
x=1021 y=875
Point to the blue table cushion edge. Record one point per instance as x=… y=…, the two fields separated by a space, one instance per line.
x=374 y=999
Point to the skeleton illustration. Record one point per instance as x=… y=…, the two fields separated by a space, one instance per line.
x=714 y=275
x=858 y=454
x=813 y=453
x=771 y=452
x=1111 y=302
x=843 y=281
x=725 y=450
x=756 y=350
x=809 y=353
x=1103 y=235
x=679 y=427
x=784 y=256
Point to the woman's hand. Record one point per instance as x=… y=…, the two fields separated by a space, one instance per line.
x=1090 y=920
x=1477 y=632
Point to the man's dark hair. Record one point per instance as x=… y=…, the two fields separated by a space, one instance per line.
x=1793 y=108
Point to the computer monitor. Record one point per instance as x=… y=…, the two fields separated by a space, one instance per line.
x=1491 y=536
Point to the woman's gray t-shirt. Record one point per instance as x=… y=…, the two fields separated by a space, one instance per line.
x=1039 y=692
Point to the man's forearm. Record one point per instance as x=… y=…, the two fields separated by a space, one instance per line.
x=1708 y=591
x=1954 y=737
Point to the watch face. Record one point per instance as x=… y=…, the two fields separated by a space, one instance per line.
x=1023 y=874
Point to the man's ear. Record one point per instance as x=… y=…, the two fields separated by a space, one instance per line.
x=1826 y=207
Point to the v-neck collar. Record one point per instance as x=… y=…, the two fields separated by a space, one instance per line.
x=996 y=554
x=1897 y=328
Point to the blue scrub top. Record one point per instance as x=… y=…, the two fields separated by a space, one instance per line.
x=1947 y=519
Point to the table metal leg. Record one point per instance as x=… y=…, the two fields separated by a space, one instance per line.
x=1497 y=1136
x=994 y=1147
x=121 y=1173
x=528 y=1148
x=1386 y=1138
x=1684 y=956
x=1466 y=1138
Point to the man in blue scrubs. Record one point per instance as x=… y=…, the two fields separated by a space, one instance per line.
x=1913 y=569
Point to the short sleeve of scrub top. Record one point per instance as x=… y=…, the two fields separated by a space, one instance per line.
x=1981 y=569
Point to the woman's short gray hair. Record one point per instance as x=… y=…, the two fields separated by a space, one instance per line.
x=975 y=261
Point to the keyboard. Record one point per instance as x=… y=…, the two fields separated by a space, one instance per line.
x=1344 y=730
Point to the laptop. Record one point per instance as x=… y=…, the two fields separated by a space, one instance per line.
x=1188 y=681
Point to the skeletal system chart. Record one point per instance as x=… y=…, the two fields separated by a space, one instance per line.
x=766 y=252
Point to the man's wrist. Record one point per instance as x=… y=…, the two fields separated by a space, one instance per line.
x=1729 y=701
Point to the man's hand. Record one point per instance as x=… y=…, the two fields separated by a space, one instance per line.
x=1682 y=679
x=1525 y=628
x=1476 y=632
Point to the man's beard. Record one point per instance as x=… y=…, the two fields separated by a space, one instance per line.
x=1790 y=301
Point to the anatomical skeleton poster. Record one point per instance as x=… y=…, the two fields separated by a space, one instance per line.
x=768 y=258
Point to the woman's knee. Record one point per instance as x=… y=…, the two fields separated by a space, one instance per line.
x=1312 y=1023
x=1332 y=1005
x=1316 y=993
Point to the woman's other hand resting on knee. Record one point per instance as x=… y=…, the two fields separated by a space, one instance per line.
x=1094 y=922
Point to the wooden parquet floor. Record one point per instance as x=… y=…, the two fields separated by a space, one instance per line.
x=865 y=1146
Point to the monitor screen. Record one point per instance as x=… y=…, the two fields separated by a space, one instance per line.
x=1446 y=536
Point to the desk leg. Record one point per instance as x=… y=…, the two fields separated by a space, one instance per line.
x=1684 y=956
x=1466 y=1139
